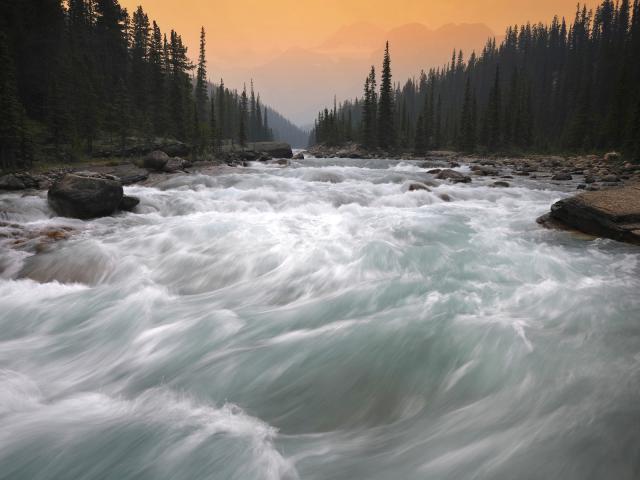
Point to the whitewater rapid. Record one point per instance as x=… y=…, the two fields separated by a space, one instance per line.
x=319 y=321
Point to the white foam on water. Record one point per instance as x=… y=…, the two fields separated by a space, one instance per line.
x=318 y=321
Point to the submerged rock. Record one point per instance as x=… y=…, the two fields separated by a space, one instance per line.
x=418 y=186
x=127 y=204
x=452 y=175
x=298 y=156
x=613 y=213
x=500 y=184
x=85 y=195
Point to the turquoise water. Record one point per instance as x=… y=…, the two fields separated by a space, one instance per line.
x=319 y=322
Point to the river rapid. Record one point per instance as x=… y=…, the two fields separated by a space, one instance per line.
x=319 y=321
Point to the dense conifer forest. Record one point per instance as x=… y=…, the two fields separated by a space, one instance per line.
x=557 y=87
x=79 y=74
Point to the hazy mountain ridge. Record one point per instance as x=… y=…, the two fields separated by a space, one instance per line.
x=335 y=66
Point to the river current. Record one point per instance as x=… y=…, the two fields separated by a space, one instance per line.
x=319 y=321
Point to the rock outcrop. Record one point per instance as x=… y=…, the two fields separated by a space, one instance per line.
x=85 y=195
x=612 y=213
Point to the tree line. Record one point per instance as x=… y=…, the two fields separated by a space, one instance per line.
x=77 y=72
x=554 y=87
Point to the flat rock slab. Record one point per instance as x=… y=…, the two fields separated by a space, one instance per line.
x=613 y=213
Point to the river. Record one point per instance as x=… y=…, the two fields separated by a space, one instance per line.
x=318 y=322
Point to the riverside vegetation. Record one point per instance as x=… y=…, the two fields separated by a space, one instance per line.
x=559 y=87
x=88 y=79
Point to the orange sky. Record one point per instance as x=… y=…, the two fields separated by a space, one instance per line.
x=246 y=38
x=267 y=24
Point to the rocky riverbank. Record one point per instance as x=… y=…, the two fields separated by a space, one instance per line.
x=88 y=191
x=592 y=172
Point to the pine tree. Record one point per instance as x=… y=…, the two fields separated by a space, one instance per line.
x=213 y=127
x=493 y=117
x=201 y=79
x=157 y=73
x=437 y=129
x=369 y=110
x=386 y=126
x=467 y=141
x=13 y=131
x=253 y=120
x=222 y=113
x=242 y=125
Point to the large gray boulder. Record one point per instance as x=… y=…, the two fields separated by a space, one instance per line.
x=156 y=160
x=85 y=195
x=273 y=149
x=129 y=174
x=612 y=213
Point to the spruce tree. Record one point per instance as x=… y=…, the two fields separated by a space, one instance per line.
x=369 y=110
x=493 y=116
x=242 y=125
x=13 y=131
x=467 y=141
x=201 y=91
x=213 y=127
x=386 y=125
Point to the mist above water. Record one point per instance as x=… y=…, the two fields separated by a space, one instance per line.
x=317 y=322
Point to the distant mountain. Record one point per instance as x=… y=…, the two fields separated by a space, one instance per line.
x=354 y=37
x=286 y=131
x=335 y=66
x=415 y=46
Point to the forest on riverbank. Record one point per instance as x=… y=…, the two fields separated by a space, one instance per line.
x=83 y=76
x=546 y=88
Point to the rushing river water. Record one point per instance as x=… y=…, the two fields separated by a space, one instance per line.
x=318 y=322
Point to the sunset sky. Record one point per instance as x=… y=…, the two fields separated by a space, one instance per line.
x=246 y=34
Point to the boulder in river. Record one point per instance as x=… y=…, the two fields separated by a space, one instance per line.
x=273 y=149
x=416 y=186
x=156 y=160
x=453 y=176
x=485 y=170
x=128 y=203
x=85 y=195
x=298 y=156
x=612 y=213
x=560 y=177
x=500 y=184
x=129 y=174
x=175 y=164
